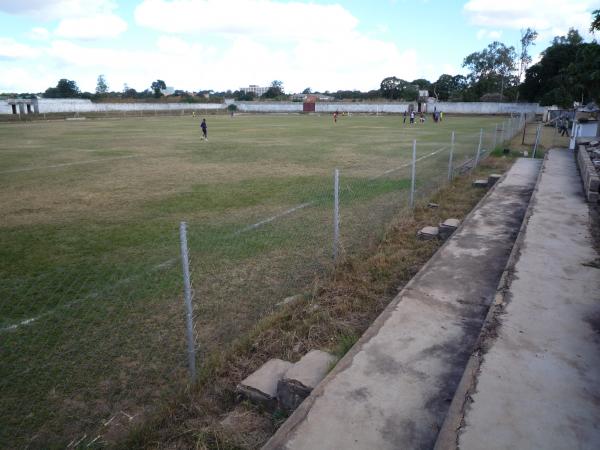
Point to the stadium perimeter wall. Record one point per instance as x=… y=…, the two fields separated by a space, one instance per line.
x=82 y=106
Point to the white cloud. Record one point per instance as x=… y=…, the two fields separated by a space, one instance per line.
x=11 y=49
x=177 y=46
x=24 y=79
x=57 y=9
x=39 y=34
x=357 y=62
x=79 y=19
x=548 y=17
x=246 y=17
x=96 y=27
x=489 y=34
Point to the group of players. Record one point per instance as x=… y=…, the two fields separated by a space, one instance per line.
x=437 y=117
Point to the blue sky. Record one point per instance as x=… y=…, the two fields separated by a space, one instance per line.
x=226 y=44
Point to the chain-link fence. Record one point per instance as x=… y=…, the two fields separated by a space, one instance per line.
x=241 y=275
x=90 y=345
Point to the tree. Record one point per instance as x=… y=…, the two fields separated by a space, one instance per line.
x=595 y=25
x=527 y=38
x=390 y=88
x=101 y=86
x=396 y=88
x=156 y=86
x=422 y=83
x=568 y=70
x=307 y=91
x=491 y=69
x=275 y=90
x=448 y=86
x=64 y=89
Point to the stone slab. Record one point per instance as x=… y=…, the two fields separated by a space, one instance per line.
x=480 y=183
x=427 y=233
x=261 y=386
x=448 y=227
x=302 y=378
x=493 y=178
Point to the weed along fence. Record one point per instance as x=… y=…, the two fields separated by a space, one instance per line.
x=94 y=335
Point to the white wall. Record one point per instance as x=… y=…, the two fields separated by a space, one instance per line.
x=63 y=105
x=82 y=106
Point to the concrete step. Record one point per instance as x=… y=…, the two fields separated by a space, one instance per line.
x=299 y=381
x=448 y=227
x=428 y=233
x=261 y=386
x=279 y=384
x=480 y=183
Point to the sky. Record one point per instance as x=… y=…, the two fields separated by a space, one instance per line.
x=227 y=44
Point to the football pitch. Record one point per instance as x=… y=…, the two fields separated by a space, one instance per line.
x=92 y=328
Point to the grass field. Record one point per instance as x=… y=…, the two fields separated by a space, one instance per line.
x=91 y=315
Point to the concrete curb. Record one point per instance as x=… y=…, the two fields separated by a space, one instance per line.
x=448 y=435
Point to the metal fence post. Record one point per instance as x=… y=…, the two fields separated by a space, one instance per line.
x=478 y=155
x=450 y=169
x=187 y=288
x=502 y=135
x=336 y=213
x=537 y=139
x=495 y=135
x=413 y=174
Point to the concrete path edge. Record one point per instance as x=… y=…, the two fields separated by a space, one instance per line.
x=279 y=439
x=448 y=435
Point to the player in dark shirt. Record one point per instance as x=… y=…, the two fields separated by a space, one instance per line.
x=204 y=130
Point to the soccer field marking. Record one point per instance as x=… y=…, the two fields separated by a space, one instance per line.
x=31 y=320
x=272 y=218
x=165 y=265
x=404 y=166
x=54 y=166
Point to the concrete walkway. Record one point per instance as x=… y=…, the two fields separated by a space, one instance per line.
x=394 y=388
x=538 y=384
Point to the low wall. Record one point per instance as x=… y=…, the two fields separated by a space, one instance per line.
x=60 y=105
x=271 y=107
x=589 y=175
x=48 y=105
x=486 y=108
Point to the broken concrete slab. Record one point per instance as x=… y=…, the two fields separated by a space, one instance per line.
x=448 y=227
x=480 y=183
x=261 y=386
x=299 y=381
x=493 y=178
x=428 y=233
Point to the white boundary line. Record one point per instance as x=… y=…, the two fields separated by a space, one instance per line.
x=29 y=169
x=272 y=218
x=403 y=166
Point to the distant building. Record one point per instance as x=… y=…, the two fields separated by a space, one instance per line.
x=255 y=89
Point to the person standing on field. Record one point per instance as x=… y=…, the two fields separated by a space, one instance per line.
x=412 y=117
x=404 y=117
x=204 y=130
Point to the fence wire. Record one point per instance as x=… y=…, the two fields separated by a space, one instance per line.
x=104 y=330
